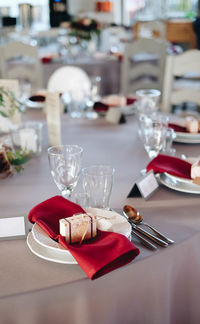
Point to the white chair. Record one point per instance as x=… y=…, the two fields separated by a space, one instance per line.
x=143 y=65
x=72 y=80
x=21 y=61
x=111 y=39
x=186 y=88
x=151 y=29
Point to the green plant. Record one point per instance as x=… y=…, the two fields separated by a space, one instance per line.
x=84 y=28
x=17 y=158
x=8 y=99
x=12 y=160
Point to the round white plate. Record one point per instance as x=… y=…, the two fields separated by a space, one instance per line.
x=129 y=109
x=187 y=138
x=35 y=104
x=178 y=184
x=43 y=246
x=47 y=253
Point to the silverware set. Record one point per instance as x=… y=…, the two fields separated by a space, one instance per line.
x=136 y=219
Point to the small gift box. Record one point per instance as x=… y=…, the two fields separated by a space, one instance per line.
x=78 y=227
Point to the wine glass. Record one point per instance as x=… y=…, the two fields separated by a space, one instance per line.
x=93 y=97
x=153 y=137
x=65 y=163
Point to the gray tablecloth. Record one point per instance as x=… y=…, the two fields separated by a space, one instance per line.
x=157 y=287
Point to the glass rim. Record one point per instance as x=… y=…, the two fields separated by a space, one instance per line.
x=94 y=167
x=34 y=122
x=63 y=146
x=24 y=124
x=149 y=92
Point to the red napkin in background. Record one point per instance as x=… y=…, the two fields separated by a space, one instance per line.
x=177 y=128
x=37 y=98
x=172 y=165
x=96 y=257
x=101 y=107
x=46 y=59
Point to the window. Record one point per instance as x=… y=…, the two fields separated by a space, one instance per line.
x=39 y=13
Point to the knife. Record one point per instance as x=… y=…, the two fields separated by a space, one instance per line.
x=149 y=235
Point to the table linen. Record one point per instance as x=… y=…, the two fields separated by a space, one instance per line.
x=158 y=287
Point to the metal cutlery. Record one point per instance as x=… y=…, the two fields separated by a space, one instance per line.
x=137 y=219
x=144 y=241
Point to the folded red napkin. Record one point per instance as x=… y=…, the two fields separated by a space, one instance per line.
x=46 y=59
x=101 y=107
x=177 y=128
x=37 y=98
x=96 y=257
x=172 y=165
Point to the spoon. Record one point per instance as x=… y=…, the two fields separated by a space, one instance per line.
x=137 y=218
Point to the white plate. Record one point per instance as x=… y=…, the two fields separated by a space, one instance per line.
x=178 y=184
x=35 y=104
x=187 y=138
x=43 y=246
x=129 y=109
x=47 y=253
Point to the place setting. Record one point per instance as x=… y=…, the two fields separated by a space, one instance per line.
x=187 y=130
x=157 y=134
x=87 y=234
x=177 y=173
x=81 y=227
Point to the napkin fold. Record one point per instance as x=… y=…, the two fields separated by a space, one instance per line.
x=37 y=98
x=172 y=165
x=46 y=59
x=96 y=257
x=177 y=128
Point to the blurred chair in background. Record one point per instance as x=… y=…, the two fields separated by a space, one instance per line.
x=111 y=39
x=143 y=65
x=150 y=29
x=182 y=79
x=16 y=53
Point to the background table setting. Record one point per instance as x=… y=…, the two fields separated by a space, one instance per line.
x=39 y=288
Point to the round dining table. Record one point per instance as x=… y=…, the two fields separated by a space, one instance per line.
x=157 y=287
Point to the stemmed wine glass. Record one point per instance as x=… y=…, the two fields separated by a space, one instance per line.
x=65 y=163
x=153 y=136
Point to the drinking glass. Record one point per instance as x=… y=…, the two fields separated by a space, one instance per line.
x=28 y=137
x=147 y=106
x=97 y=184
x=65 y=163
x=92 y=97
x=153 y=137
x=148 y=99
x=76 y=108
x=170 y=136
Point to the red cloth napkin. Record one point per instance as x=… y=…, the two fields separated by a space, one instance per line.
x=172 y=165
x=96 y=257
x=177 y=128
x=37 y=98
x=46 y=59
